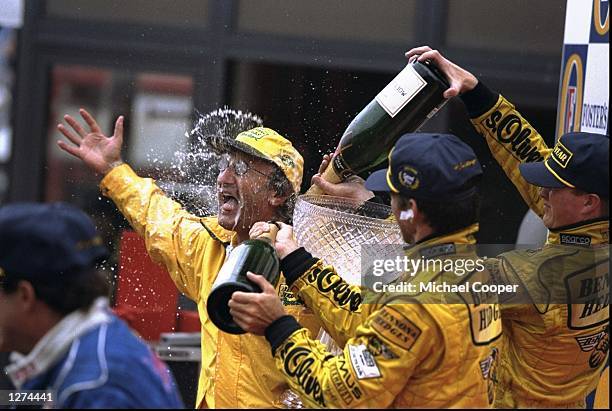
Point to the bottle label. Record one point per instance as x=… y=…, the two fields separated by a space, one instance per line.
x=400 y=90
x=341 y=168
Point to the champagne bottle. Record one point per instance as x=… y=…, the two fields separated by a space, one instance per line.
x=255 y=255
x=408 y=101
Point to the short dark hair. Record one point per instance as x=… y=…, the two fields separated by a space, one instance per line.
x=449 y=216
x=65 y=297
x=282 y=187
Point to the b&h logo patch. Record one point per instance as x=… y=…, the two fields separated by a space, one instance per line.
x=562 y=155
x=598 y=344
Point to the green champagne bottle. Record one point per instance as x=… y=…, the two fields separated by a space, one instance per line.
x=255 y=255
x=408 y=101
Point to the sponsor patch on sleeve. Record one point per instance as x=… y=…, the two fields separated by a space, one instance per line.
x=344 y=382
x=597 y=344
x=396 y=328
x=363 y=362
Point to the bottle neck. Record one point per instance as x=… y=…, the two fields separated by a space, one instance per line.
x=270 y=235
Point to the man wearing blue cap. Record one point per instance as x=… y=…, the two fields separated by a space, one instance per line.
x=55 y=318
x=401 y=349
x=553 y=351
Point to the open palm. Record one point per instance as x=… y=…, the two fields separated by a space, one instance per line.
x=101 y=153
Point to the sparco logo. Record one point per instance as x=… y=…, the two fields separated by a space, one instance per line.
x=511 y=131
x=571 y=239
x=298 y=365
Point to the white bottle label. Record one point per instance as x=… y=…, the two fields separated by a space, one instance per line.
x=401 y=90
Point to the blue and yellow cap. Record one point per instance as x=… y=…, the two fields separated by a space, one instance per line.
x=578 y=160
x=429 y=167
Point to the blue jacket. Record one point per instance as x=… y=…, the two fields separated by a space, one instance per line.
x=109 y=367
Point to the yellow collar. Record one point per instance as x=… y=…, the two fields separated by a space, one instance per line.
x=587 y=233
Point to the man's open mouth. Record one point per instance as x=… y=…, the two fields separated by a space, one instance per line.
x=228 y=202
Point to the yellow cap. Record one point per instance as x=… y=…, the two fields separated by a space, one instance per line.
x=267 y=144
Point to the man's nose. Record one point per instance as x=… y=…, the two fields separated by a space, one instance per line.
x=226 y=176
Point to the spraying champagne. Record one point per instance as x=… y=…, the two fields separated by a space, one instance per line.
x=408 y=101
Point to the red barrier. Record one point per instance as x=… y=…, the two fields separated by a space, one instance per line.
x=146 y=297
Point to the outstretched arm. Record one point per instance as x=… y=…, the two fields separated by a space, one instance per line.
x=373 y=368
x=172 y=236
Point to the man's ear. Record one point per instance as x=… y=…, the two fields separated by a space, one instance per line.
x=26 y=295
x=277 y=200
x=592 y=205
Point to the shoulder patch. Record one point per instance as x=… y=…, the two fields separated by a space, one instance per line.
x=588 y=342
x=396 y=328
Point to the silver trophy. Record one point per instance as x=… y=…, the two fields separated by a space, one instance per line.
x=334 y=229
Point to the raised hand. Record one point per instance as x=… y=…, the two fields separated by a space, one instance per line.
x=99 y=152
x=460 y=79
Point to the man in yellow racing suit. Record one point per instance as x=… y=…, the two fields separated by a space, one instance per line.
x=400 y=349
x=237 y=371
x=555 y=347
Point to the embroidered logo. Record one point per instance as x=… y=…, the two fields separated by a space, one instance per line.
x=408 y=177
x=562 y=155
x=573 y=239
x=289 y=298
x=598 y=344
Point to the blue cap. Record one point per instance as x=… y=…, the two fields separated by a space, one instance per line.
x=579 y=160
x=47 y=241
x=428 y=167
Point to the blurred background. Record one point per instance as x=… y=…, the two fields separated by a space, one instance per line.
x=306 y=67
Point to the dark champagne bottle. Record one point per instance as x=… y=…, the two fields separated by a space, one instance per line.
x=255 y=255
x=408 y=101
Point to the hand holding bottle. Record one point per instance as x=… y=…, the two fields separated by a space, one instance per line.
x=410 y=99
x=284 y=241
x=352 y=188
x=460 y=79
x=254 y=312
